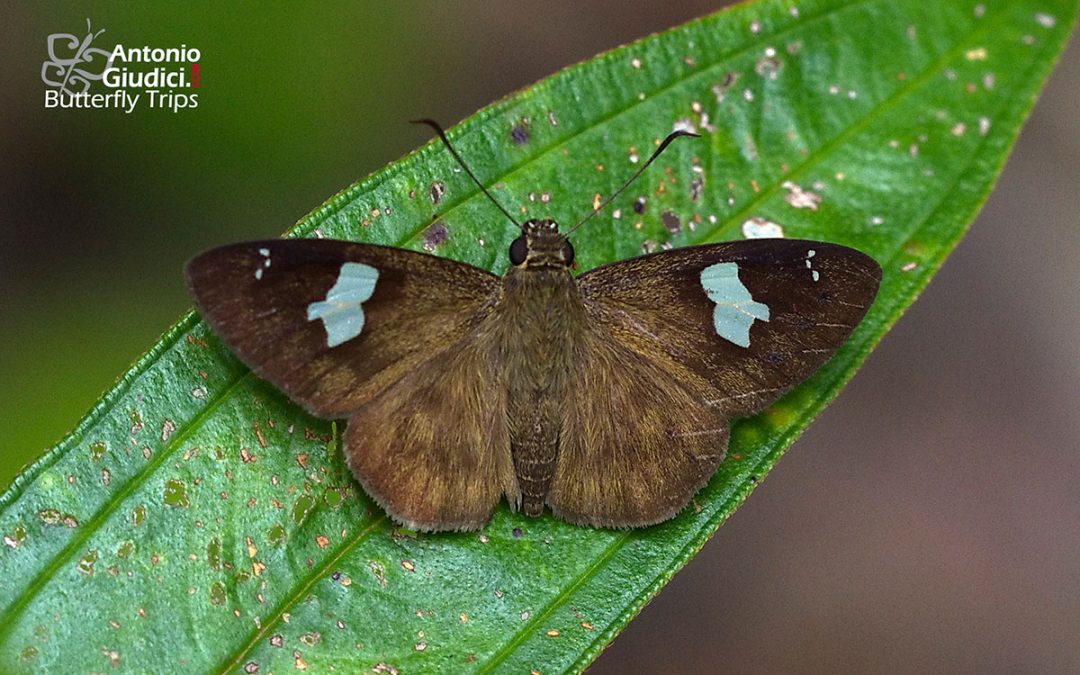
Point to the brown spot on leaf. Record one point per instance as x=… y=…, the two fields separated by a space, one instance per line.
x=697 y=185
x=436 y=192
x=519 y=133
x=671 y=222
x=435 y=235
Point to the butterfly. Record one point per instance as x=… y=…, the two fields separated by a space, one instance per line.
x=606 y=397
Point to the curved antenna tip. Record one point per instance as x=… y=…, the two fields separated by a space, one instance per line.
x=678 y=133
x=446 y=141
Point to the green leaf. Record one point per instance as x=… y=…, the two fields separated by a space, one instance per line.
x=197 y=519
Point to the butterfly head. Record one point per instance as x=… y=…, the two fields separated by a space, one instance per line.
x=541 y=245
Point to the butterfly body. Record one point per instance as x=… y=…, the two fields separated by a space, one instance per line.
x=541 y=320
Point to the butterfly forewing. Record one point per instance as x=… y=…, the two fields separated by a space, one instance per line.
x=334 y=323
x=741 y=322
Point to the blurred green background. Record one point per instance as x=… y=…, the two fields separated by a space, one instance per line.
x=929 y=521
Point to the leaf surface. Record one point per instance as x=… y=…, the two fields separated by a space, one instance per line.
x=197 y=519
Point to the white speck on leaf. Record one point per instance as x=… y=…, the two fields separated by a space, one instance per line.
x=761 y=228
x=1045 y=20
x=799 y=198
x=684 y=124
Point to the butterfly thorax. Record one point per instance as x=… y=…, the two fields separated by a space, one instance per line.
x=541 y=320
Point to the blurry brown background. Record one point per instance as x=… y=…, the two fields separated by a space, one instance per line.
x=930 y=520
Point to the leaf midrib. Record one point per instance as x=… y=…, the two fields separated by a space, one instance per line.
x=319 y=572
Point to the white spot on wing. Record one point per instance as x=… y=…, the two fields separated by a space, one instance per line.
x=814 y=274
x=264 y=252
x=340 y=312
x=735 y=309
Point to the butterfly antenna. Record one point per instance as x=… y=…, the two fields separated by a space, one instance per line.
x=442 y=134
x=666 y=142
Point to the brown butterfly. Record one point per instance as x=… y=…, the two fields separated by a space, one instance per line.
x=607 y=397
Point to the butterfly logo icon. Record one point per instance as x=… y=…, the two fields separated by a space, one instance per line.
x=73 y=64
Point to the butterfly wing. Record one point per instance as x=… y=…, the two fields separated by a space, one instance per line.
x=637 y=442
x=395 y=340
x=433 y=449
x=677 y=344
x=332 y=323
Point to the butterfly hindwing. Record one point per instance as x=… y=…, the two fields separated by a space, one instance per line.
x=433 y=449
x=677 y=344
x=637 y=441
x=333 y=323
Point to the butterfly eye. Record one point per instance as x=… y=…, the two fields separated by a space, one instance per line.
x=519 y=250
x=568 y=254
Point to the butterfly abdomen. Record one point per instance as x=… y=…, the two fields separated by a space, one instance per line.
x=542 y=318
